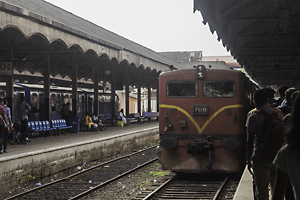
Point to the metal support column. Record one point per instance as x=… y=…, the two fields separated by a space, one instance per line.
x=113 y=93
x=127 y=94
x=74 y=88
x=139 y=98
x=157 y=98
x=9 y=81
x=96 y=89
x=149 y=96
x=46 y=104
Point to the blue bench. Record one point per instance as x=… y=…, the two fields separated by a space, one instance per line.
x=37 y=127
x=63 y=124
x=30 y=131
x=55 y=127
x=60 y=125
x=48 y=127
x=44 y=127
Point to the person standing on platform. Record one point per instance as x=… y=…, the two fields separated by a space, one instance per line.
x=67 y=113
x=286 y=108
x=3 y=124
x=263 y=169
x=9 y=125
x=289 y=193
x=270 y=96
x=287 y=160
x=281 y=91
x=22 y=112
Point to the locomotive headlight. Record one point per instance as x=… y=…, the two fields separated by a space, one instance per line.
x=200 y=75
x=201 y=70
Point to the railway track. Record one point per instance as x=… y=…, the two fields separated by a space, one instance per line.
x=180 y=189
x=86 y=181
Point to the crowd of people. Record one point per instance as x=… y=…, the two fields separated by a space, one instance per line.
x=21 y=113
x=17 y=132
x=92 y=122
x=279 y=174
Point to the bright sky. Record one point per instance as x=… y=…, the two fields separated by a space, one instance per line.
x=160 y=25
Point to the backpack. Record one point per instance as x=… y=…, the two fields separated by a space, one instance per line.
x=273 y=135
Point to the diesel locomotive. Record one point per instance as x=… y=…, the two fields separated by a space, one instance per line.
x=202 y=113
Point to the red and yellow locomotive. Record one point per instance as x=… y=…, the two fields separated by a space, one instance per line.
x=202 y=119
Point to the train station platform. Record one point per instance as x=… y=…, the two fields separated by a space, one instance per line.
x=55 y=153
x=245 y=187
x=47 y=155
x=41 y=143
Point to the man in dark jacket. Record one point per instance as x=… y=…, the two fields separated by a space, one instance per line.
x=22 y=112
x=264 y=170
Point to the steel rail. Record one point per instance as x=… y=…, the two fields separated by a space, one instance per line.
x=186 y=190
x=76 y=174
x=217 y=195
x=158 y=188
x=111 y=180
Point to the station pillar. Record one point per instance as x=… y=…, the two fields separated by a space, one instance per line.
x=9 y=80
x=149 y=96
x=74 y=88
x=96 y=89
x=46 y=107
x=127 y=93
x=157 y=98
x=139 y=98
x=113 y=93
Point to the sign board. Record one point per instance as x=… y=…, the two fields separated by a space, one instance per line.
x=6 y=68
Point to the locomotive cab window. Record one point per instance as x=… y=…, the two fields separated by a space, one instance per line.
x=222 y=88
x=181 y=89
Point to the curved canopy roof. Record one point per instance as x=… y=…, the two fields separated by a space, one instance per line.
x=67 y=21
x=264 y=36
x=35 y=33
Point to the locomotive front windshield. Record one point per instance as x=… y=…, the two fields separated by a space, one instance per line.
x=181 y=89
x=222 y=88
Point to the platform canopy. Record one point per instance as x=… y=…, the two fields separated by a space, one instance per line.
x=36 y=35
x=263 y=35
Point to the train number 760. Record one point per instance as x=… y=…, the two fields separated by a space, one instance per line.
x=200 y=110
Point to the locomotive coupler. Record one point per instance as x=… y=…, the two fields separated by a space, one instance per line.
x=200 y=146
